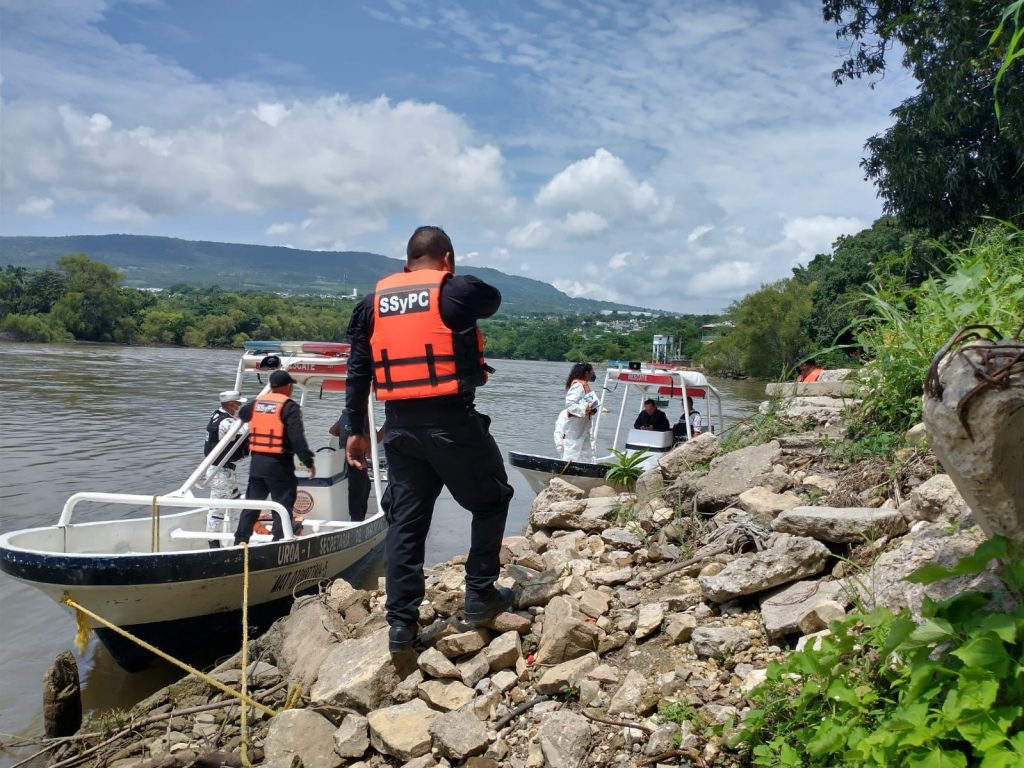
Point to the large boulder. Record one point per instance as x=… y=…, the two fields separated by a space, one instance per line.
x=357 y=674
x=791 y=559
x=934 y=498
x=720 y=642
x=781 y=610
x=841 y=525
x=984 y=453
x=566 y=635
x=731 y=474
x=458 y=735
x=304 y=733
x=308 y=635
x=649 y=486
x=765 y=502
x=565 y=515
x=703 y=448
x=564 y=739
x=402 y=731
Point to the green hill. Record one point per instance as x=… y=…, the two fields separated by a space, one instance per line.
x=159 y=262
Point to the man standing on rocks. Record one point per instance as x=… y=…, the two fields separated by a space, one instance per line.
x=416 y=338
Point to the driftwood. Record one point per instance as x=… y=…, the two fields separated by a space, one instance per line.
x=623 y=723
x=519 y=710
x=681 y=565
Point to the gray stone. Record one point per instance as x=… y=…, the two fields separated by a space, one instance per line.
x=649 y=486
x=796 y=558
x=560 y=490
x=504 y=651
x=567 y=674
x=720 y=642
x=307 y=637
x=917 y=437
x=935 y=498
x=505 y=679
x=351 y=739
x=680 y=627
x=620 y=538
x=610 y=577
x=627 y=699
x=819 y=616
x=831 y=389
x=462 y=643
x=594 y=603
x=473 y=670
x=648 y=621
x=408 y=689
x=820 y=482
x=602 y=508
x=445 y=694
x=841 y=525
x=733 y=473
x=564 y=739
x=357 y=674
x=565 y=515
x=436 y=664
x=683 y=457
x=602 y=492
x=781 y=610
x=304 y=733
x=62 y=697
x=402 y=731
x=565 y=635
x=458 y=735
x=537 y=590
x=984 y=464
x=763 y=501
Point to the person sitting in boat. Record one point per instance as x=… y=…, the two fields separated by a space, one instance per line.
x=810 y=372
x=652 y=418
x=221 y=478
x=572 y=429
x=276 y=438
x=696 y=423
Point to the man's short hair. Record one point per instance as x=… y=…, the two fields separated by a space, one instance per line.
x=430 y=242
x=648 y=401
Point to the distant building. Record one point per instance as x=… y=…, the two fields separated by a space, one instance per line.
x=711 y=331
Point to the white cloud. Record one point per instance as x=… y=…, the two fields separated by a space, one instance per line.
x=590 y=290
x=276 y=230
x=815 y=234
x=36 y=206
x=723 y=279
x=585 y=223
x=695 y=235
x=109 y=213
x=533 y=234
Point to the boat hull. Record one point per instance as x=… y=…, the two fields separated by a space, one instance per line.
x=538 y=470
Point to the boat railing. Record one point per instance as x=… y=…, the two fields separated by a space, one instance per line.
x=187 y=502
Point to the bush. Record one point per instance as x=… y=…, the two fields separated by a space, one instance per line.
x=34 y=328
x=984 y=284
x=885 y=691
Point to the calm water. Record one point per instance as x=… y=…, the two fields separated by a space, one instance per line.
x=83 y=417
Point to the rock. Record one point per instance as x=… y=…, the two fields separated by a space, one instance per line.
x=620 y=538
x=462 y=643
x=603 y=508
x=408 y=689
x=720 y=642
x=510 y=622
x=436 y=664
x=537 y=590
x=781 y=610
x=936 y=497
x=357 y=674
x=62 y=697
x=304 y=733
x=611 y=576
x=833 y=389
x=683 y=457
x=841 y=525
x=602 y=492
x=504 y=651
x=564 y=739
x=561 y=490
x=733 y=473
x=821 y=483
x=762 y=501
x=649 y=486
x=308 y=636
x=458 y=735
x=565 y=636
x=402 y=731
x=796 y=558
x=627 y=699
x=648 y=621
x=663 y=739
x=820 y=616
x=505 y=679
x=445 y=694
x=658 y=551
x=565 y=515
x=473 y=670
x=594 y=603
x=351 y=739
x=567 y=674
x=753 y=679
x=917 y=437
x=680 y=627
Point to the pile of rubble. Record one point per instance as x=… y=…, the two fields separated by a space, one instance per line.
x=642 y=621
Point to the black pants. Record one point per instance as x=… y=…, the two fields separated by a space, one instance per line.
x=358 y=493
x=463 y=457
x=272 y=476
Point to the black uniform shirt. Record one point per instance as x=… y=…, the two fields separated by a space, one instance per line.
x=657 y=421
x=464 y=300
x=294 y=434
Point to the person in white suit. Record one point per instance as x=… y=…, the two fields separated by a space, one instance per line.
x=572 y=429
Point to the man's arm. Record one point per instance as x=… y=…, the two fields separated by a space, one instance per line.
x=360 y=370
x=466 y=299
x=291 y=416
x=662 y=425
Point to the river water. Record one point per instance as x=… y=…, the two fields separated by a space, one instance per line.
x=132 y=420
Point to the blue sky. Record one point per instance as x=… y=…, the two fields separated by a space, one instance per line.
x=670 y=154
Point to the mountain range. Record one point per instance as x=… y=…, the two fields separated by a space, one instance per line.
x=160 y=262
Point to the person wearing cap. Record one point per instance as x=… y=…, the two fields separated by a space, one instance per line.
x=221 y=478
x=417 y=341
x=276 y=439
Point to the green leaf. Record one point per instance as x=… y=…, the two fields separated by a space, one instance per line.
x=985 y=652
x=1003 y=625
x=932 y=631
x=987 y=551
x=938 y=758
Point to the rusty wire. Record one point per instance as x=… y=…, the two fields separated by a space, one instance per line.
x=993 y=363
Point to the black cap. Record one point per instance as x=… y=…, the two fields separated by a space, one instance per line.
x=280 y=379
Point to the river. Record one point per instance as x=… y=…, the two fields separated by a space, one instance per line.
x=132 y=419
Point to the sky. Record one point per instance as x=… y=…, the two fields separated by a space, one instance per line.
x=672 y=154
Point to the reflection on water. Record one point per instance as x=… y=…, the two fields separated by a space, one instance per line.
x=132 y=420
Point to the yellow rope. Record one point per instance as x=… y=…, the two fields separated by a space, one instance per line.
x=155 y=526
x=81 y=632
x=67 y=600
x=245 y=653
x=292 y=699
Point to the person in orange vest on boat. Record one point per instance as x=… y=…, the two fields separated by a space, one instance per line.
x=572 y=427
x=416 y=339
x=810 y=371
x=276 y=438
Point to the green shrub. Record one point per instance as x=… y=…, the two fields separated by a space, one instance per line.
x=984 y=284
x=627 y=469
x=34 y=328
x=885 y=691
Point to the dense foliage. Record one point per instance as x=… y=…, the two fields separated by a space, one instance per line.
x=883 y=690
x=948 y=159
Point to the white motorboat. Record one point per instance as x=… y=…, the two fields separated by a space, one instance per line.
x=622 y=381
x=155 y=574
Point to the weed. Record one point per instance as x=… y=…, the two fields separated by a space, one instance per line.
x=870 y=443
x=627 y=468
x=755 y=430
x=677 y=712
x=624 y=513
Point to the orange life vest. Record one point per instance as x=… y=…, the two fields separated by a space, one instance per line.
x=266 y=429
x=812 y=376
x=415 y=354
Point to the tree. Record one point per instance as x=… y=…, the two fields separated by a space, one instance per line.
x=947 y=160
x=91 y=307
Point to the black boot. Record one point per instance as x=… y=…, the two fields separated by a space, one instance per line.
x=481 y=609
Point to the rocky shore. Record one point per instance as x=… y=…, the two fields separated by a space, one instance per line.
x=642 y=620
